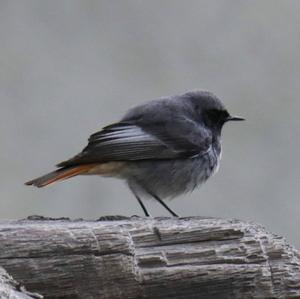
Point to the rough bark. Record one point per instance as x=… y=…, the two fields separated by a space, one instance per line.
x=149 y=258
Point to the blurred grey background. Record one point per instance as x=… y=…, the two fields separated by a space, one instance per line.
x=67 y=68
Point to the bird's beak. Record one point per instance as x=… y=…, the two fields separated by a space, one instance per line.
x=234 y=118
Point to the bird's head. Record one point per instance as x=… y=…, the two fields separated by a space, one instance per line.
x=209 y=110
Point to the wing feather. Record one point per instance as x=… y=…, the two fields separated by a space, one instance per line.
x=122 y=143
x=129 y=141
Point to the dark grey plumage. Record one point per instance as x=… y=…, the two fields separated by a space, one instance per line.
x=167 y=128
x=167 y=146
x=180 y=123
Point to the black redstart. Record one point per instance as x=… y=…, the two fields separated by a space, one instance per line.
x=163 y=148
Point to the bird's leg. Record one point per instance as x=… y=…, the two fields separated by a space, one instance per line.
x=142 y=205
x=162 y=203
x=140 y=202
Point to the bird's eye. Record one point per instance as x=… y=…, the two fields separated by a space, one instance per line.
x=214 y=114
x=217 y=115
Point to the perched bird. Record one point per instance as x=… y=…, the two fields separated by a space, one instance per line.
x=162 y=149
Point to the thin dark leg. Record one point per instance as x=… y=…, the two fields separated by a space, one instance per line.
x=163 y=204
x=140 y=202
x=142 y=205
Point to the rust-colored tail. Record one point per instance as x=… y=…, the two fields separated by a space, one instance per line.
x=59 y=175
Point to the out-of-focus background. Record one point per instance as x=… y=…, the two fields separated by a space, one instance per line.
x=67 y=68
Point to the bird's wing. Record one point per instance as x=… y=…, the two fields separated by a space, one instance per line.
x=128 y=141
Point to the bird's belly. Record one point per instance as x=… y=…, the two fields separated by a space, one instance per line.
x=169 y=178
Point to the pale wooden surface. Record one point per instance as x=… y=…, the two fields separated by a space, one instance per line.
x=10 y=289
x=149 y=258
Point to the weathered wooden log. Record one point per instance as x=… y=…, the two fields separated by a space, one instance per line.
x=149 y=258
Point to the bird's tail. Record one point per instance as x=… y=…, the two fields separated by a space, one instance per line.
x=59 y=175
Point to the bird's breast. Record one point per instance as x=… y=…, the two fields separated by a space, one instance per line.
x=169 y=178
x=203 y=167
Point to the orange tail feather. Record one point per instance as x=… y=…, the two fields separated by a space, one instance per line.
x=59 y=175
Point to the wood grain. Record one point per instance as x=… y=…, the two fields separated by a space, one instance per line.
x=149 y=258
